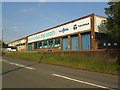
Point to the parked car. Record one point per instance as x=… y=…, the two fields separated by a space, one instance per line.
x=11 y=48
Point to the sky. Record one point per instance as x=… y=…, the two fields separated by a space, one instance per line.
x=20 y=19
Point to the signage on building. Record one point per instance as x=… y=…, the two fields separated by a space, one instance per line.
x=63 y=30
x=41 y=36
x=77 y=26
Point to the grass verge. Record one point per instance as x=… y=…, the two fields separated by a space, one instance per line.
x=74 y=61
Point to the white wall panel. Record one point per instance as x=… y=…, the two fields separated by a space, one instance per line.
x=97 y=21
x=81 y=25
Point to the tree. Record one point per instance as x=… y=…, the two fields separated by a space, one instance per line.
x=113 y=20
x=4 y=44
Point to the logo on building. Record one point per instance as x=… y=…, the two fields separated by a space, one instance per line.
x=75 y=27
x=83 y=24
x=63 y=30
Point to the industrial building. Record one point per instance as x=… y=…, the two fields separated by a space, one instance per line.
x=20 y=44
x=76 y=35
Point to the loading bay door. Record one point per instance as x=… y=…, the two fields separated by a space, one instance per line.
x=65 y=43
x=75 y=42
x=86 y=41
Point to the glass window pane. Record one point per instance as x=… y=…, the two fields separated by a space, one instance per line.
x=39 y=45
x=57 y=42
x=44 y=44
x=35 y=45
x=50 y=43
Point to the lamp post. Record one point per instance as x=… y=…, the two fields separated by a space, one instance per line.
x=2 y=40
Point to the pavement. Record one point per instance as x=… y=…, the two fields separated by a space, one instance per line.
x=18 y=73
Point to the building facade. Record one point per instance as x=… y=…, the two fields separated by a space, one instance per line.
x=75 y=35
x=20 y=44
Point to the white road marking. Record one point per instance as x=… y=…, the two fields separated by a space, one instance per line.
x=72 y=79
x=65 y=77
x=18 y=65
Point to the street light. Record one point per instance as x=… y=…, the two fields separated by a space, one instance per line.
x=2 y=40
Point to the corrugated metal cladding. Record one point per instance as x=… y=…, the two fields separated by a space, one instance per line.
x=75 y=42
x=65 y=43
x=30 y=47
x=86 y=41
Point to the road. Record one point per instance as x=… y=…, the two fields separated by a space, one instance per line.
x=27 y=74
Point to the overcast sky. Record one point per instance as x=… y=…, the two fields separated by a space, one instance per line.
x=20 y=19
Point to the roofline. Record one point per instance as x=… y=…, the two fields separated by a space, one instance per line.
x=17 y=40
x=62 y=24
x=101 y=16
x=54 y=27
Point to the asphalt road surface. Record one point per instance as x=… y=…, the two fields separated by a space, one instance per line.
x=18 y=73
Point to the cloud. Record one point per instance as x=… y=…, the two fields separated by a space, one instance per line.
x=27 y=10
x=15 y=28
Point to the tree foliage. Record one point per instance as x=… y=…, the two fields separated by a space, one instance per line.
x=113 y=20
x=4 y=44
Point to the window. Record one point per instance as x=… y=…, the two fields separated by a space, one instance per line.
x=50 y=43
x=44 y=44
x=35 y=45
x=39 y=45
x=56 y=42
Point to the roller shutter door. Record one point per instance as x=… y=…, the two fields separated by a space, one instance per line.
x=30 y=47
x=65 y=43
x=86 y=41
x=75 y=42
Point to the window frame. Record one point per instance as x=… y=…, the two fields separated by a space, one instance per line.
x=46 y=44
x=35 y=45
x=57 y=42
x=39 y=45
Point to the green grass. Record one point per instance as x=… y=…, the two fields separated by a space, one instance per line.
x=75 y=61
